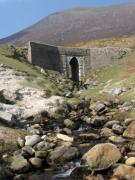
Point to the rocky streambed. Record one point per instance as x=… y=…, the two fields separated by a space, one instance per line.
x=88 y=144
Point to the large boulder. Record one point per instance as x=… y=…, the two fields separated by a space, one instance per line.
x=130 y=131
x=102 y=156
x=63 y=154
x=19 y=164
x=7 y=118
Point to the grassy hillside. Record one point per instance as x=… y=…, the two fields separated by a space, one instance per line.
x=121 y=73
x=122 y=42
x=54 y=82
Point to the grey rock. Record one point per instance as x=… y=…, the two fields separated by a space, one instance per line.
x=44 y=146
x=7 y=118
x=117 y=129
x=32 y=140
x=117 y=91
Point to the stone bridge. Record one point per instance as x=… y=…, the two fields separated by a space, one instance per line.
x=74 y=63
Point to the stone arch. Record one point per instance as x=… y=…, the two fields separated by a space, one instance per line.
x=74 y=69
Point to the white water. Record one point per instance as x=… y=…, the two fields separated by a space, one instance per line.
x=72 y=166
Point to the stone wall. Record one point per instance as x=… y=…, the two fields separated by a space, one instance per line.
x=104 y=56
x=59 y=58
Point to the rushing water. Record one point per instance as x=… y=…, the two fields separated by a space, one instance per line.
x=53 y=174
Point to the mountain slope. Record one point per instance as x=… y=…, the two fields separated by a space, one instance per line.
x=79 y=24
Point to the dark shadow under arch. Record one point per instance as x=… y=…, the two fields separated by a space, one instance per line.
x=74 y=69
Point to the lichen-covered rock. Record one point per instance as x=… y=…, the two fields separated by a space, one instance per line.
x=63 y=154
x=19 y=164
x=130 y=131
x=102 y=156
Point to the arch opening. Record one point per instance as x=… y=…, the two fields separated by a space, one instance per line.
x=74 y=69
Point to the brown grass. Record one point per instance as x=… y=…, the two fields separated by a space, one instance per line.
x=122 y=42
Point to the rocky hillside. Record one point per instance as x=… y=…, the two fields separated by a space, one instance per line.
x=78 y=25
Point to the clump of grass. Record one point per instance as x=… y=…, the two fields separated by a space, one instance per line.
x=62 y=110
